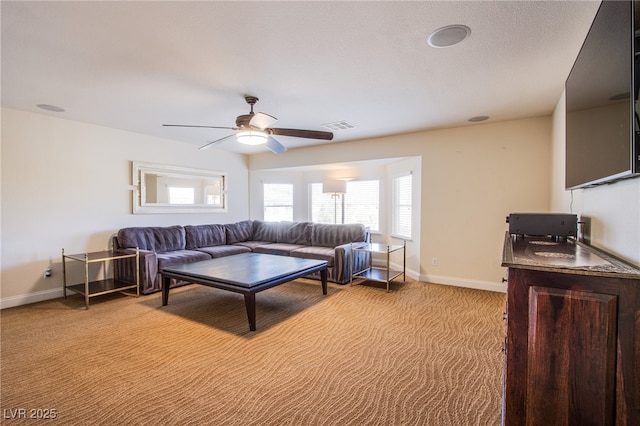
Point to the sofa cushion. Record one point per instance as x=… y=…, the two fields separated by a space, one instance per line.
x=153 y=238
x=283 y=249
x=240 y=231
x=221 y=251
x=295 y=233
x=251 y=245
x=330 y=235
x=180 y=257
x=205 y=236
x=283 y=232
x=317 y=253
x=266 y=231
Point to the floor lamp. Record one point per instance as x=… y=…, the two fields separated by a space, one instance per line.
x=335 y=187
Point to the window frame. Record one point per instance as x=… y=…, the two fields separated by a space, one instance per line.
x=372 y=229
x=342 y=203
x=265 y=205
x=395 y=206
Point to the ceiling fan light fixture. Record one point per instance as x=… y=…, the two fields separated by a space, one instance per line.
x=252 y=137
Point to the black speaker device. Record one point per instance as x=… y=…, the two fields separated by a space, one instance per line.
x=543 y=224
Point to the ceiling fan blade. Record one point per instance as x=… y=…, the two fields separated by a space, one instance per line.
x=207 y=145
x=194 y=125
x=275 y=146
x=297 y=133
x=261 y=120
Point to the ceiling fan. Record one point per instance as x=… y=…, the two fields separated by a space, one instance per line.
x=253 y=129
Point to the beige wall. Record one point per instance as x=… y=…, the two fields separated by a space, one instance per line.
x=471 y=179
x=614 y=210
x=66 y=185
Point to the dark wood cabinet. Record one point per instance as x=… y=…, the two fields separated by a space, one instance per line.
x=572 y=352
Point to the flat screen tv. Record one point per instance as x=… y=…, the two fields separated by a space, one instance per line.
x=601 y=96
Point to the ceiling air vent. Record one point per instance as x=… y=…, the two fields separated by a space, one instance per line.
x=336 y=126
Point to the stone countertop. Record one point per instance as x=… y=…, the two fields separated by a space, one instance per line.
x=564 y=256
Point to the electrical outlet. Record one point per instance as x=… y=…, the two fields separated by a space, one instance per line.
x=47 y=273
x=434 y=261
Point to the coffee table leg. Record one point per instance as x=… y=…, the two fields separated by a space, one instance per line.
x=323 y=278
x=250 y=303
x=166 y=281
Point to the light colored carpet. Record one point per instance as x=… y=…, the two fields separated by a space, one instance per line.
x=423 y=354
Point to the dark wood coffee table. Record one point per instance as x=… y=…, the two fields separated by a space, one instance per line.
x=246 y=273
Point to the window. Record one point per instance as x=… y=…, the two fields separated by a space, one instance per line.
x=359 y=205
x=325 y=208
x=362 y=203
x=401 y=225
x=278 y=202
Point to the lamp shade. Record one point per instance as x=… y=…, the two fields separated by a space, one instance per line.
x=252 y=137
x=334 y=186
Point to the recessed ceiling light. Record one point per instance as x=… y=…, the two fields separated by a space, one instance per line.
x=50 y=108
x=448 y=36
x=478 y=118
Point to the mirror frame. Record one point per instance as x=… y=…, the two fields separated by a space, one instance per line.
x=140 y=206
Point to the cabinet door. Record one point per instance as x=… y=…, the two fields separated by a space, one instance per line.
x=571 y=357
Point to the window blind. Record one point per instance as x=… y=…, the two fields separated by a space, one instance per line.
x=325 y=208
x=401 y=221
x=362 y=203
x=278 y=201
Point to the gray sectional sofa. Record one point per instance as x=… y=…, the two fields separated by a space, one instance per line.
x=161 y=247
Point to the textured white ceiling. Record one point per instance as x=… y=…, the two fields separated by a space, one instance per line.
x=137 y=65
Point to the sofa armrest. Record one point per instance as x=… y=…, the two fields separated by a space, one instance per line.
x=342 y=262
x=125 y=269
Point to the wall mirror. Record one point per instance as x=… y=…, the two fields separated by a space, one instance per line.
x=159 y=188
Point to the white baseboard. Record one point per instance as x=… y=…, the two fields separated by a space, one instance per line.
x=464 y=282
x=24 y=299
x=446 y=280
